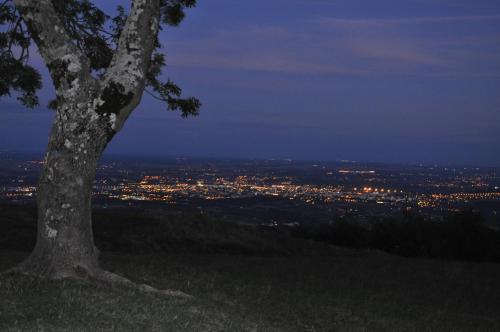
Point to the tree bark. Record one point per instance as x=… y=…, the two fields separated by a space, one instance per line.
x=65 y=245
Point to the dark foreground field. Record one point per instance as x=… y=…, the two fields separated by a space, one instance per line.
x=242 y=279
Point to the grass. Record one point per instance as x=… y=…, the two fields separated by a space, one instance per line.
x=297 y=286
x=34 y=305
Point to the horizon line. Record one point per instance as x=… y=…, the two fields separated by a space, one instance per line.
x=111 y=155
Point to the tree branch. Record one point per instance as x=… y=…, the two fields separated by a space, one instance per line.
x=155 y=96
x=130 y=63
x=63 y=58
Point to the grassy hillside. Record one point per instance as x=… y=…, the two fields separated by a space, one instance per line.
x=243 y=280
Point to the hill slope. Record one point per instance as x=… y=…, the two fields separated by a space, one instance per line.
x=243 y=280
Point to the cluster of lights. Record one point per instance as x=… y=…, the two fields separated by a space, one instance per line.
x=346 y=171
x=377 y=190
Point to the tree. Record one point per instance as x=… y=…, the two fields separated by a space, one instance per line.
x=100 y=67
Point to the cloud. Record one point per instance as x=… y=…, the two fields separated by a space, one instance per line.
x=422 y=45
x=332 y=22
x=398 y=51
x=257 y=48
x=278 y=63
x=276 y=49
x=338 y=46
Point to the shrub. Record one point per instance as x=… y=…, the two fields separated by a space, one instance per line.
x=461 y=236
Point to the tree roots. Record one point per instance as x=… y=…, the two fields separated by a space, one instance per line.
x=115 y=279
x=96 y=275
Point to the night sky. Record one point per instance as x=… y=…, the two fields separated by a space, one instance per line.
x=385 y=80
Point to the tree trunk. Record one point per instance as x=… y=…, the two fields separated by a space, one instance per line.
x=91 y=111
x=65 y=245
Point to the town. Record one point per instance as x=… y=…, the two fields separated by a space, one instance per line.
x=264 y=188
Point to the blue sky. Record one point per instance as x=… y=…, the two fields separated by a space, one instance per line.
x=385 y=80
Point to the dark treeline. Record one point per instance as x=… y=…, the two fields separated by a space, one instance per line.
x=460 y=236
